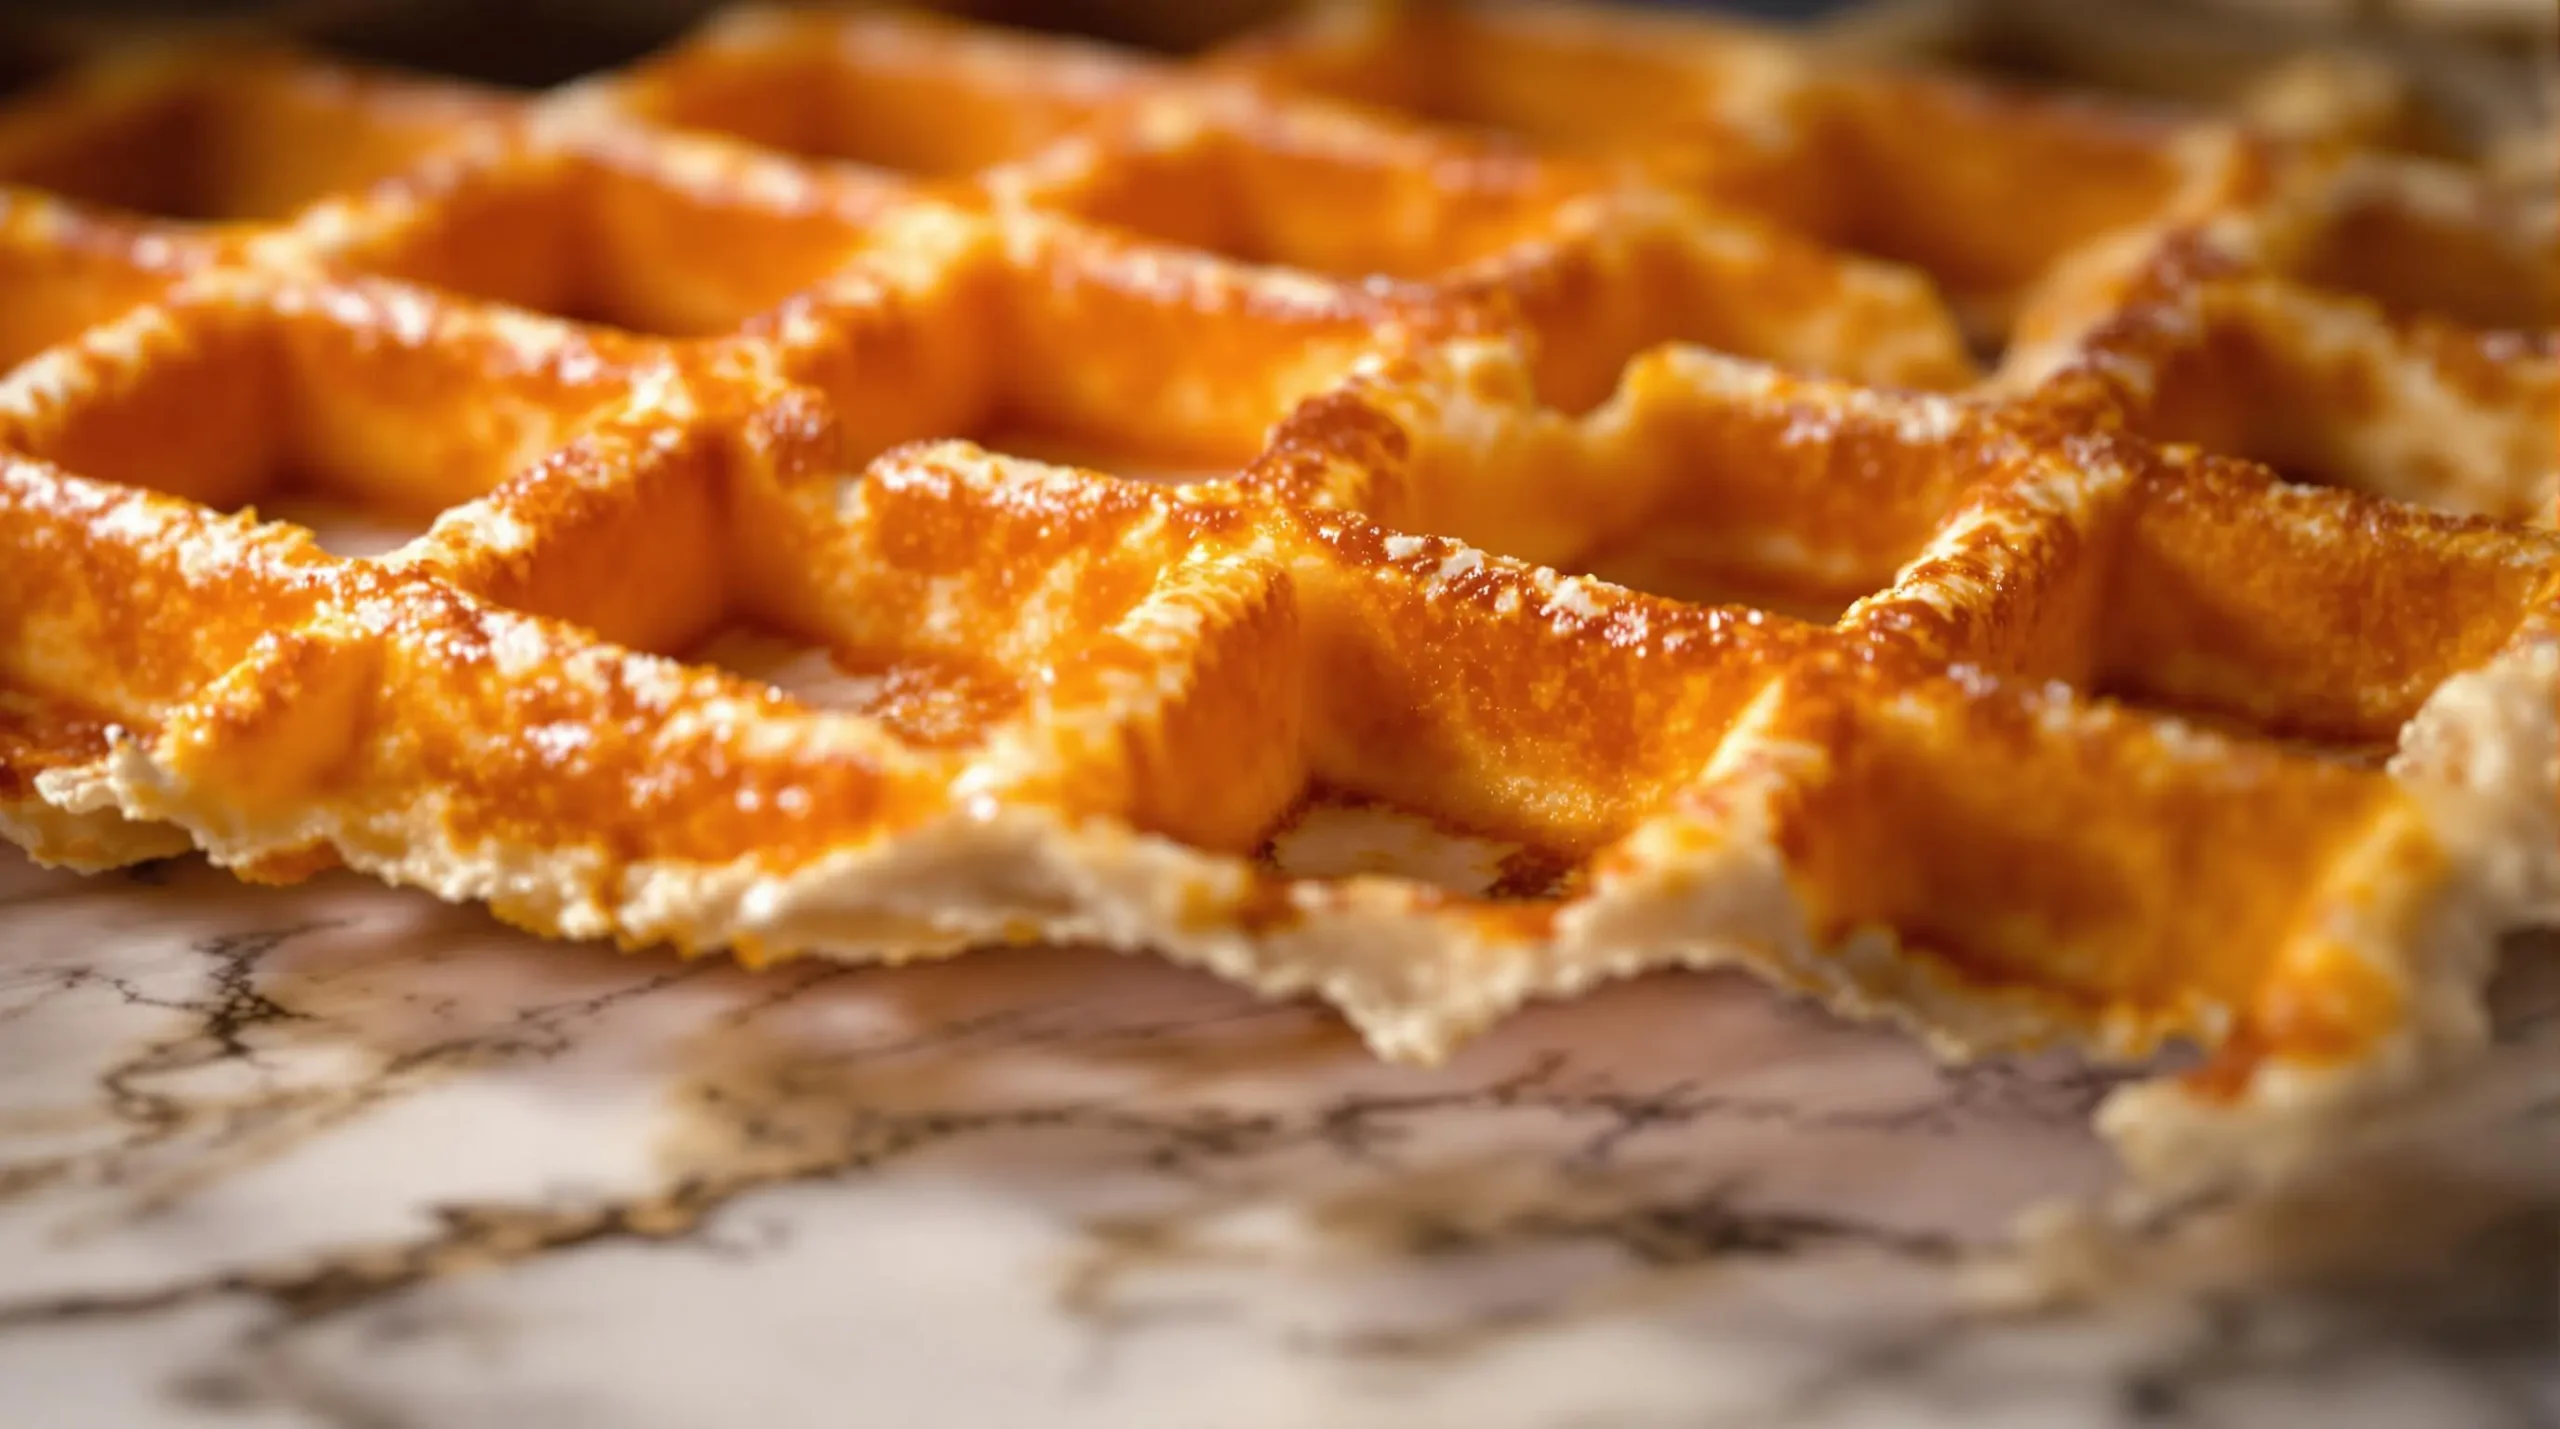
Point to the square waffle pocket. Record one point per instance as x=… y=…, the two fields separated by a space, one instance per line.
x=1430 y=550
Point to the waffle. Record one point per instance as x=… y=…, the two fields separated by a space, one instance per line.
x=1430 y=510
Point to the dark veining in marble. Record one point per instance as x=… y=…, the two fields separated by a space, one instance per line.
x=763 y=1114
x=240 y=1012
x=768 y=1093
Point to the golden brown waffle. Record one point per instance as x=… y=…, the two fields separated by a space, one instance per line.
x=705 y=587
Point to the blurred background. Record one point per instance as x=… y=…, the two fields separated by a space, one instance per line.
x=2473 y=65
x=543 y=41
x=536 y=42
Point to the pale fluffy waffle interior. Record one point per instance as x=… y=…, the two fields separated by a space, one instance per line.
x=2081 y=574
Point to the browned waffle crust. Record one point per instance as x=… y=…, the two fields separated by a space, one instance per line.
x=2183 y=670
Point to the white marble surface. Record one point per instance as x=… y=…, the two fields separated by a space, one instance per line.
x=336 y=1155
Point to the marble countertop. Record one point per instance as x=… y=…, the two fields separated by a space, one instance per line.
x=337 y=1155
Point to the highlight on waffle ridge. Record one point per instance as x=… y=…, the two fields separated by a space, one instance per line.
x=2031 y=522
